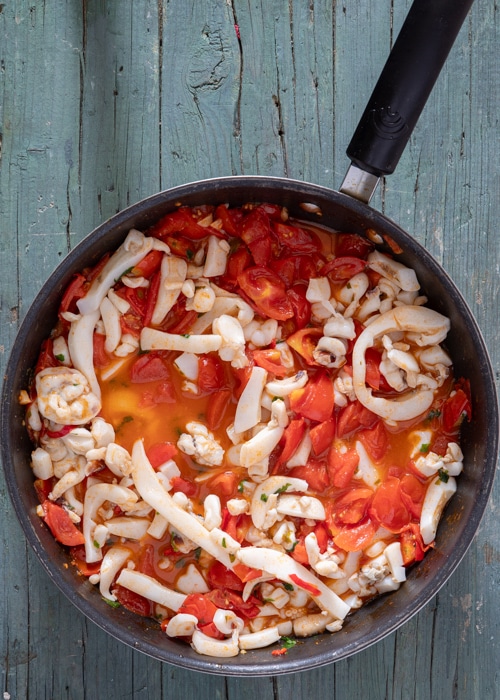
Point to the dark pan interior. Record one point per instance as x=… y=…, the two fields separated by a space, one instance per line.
x=479 y=439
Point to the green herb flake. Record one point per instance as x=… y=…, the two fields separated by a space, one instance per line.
x=424 y=448
x=112 y=603
x=283 y=488
x=264 y=497
x=435 y=413
x=96 y=544
x=224 y=543
x=241 y=486
x=186 y=335
x=60 y=357
x=288 y=642
x=443 y=476
x=197 y=553
x=288 y=586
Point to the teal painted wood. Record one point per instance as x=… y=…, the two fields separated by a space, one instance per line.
x=103 y=103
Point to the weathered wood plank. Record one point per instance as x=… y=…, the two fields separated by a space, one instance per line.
x=104 y=103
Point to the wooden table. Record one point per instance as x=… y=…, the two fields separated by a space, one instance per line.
x=104 y=103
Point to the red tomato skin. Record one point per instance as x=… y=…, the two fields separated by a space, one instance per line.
x=350 y=244
x=210 y=374
x=161 y=452
x=304 y=343
x=61 y=525
x=342 y=466
x=315 y=400
x=294 y=432
x=322 y=435
x=295 y=238
x=342 y=269
x=217 y=406
x=148 y=368
x=375 y=441
x=388 y=508
x=220 y=577
x=353 y=539
x=353 y=417
x=266 y=291
x=315 y=472
x=256 y=233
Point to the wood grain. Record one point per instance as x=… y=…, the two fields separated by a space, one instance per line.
x=104 y=103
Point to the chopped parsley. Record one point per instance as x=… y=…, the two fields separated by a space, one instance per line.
x=288 y=586
x=264 y=497
x=241 y=486
x=112 y=603
x=283 y=488
x=124 y=421
x=435 y=413
x=424 y=448
x=60 y=357
x=443 y=475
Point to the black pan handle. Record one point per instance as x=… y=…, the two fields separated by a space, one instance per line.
x=406 y=82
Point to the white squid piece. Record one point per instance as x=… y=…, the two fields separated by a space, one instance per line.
x=172 y=275
x=427 y=327
x=64 y=396
x=81 y=348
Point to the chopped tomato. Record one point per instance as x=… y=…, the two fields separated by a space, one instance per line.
x=256 y=233
x=146 y=561
x=149 y=264
x=217 y=407
x=236 y=526
x=148 y=368
x=246 y=573
x=350 y=244
x=227 y=599
x=61 y=525
x=304 y=342
x=224 y=484
x=180 y=246
x=101 y=357
x=78 y=559
x=266 y=291
x=412 y=493
x=134 y=602
x=455 y=410
x=184 y=486
x=342 y=466
x=315 y=400
x=182 y=323
x=322 y=435
x=75 y=290
x=353 y=417
x=292 y=437
x=270 y=360
x=43 y=487
x=315 y=472
x=322 y=536
x=64 y=430
x=295 y=238
x=351 y=508
x=220 y=577
x=374 y=378
x=161 y=452
x=46 y=357
x=182 y=221
x=300 y=305
x=343 y=268
x=388 y=508
x=299 y=552
x=237 y=262
x=412 y=545
x=162 y=393
x=151 y=298
x=199 y=605
x=357 y=537
x=231 y=219
x=287 y=268
x=305 y=585
x=375 y=440
x=131 y=323
x=210 y=374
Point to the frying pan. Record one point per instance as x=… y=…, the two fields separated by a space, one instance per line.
x=392 y=111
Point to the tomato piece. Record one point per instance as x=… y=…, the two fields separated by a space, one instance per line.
x=352 y=507
x=210 y=374
x=342 y=269
x=270 y=360
x=267 y=292
x=133 y=601
x=287 y=268
x=61 y=525
x=246 y=573
x=146 y=561
x=217 y=407
x=413 y=494
x=375 y=440
x=388 y=508
x=295 y=238
x=180 y=246
x=162 y=393
x=304 y=343
x=220 y=577
x=101 y=357
x=299 y=552
x=43 y=487
x=456 y=409
x=315 y=472
x=161 y=452
x=78 y=559
x=352 y=245
x=227 y=599
x=46 y=357
x=236 y=526
x=183 y=320
x=315 y=400
x=148 y=368
x=149 y=264
x=357 y=537
x=292 y=437
x=322 y=435
x=300 y=305
x=342 y=466
x=231 y=219
x=199 y=605
x=256 y=233
x=412 y=545
x=353 y=417
x=322 y=536
x=131 y=323
x=184 y=486
x=182 y=221
x=151 y=298
x=237 y=262
x=224 y=484
x=305 y=585
x=61 y=432
x=75 y=290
